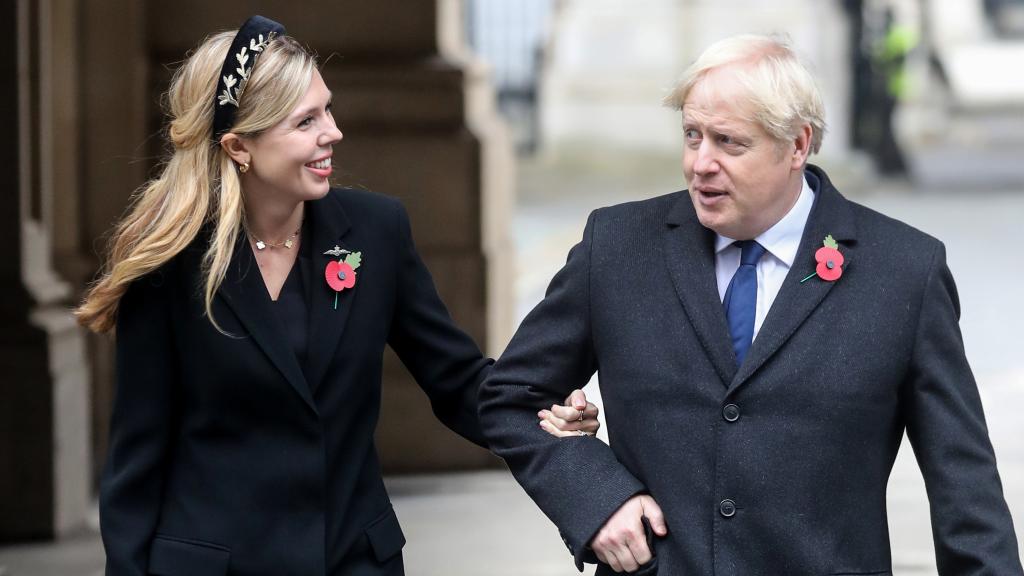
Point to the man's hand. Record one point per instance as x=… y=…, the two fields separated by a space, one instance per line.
x=566 y=420
x=621 y=542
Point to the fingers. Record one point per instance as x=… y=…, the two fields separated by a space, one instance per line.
x=590 y=426
x=627 y=553
x=625 y=561
x=575 y=417
x=654 y=515
x=577 y=399
x=621 y=542
x=567 y=413
x=602 y=558
x=552 y=424
x=618 y=558
x=554 y=431
x=564 y=424
x=638 y=548
x=609 y=559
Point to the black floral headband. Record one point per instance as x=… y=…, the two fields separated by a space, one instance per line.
x=250 y=41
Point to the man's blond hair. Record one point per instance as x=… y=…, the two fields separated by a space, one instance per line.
x=781 y=91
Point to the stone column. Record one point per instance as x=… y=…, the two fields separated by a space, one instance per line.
x=117 y=107
x=44 y=445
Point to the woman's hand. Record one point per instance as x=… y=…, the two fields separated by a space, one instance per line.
x=576 y=418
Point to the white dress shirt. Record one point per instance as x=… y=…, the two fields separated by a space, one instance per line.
x=781 y=242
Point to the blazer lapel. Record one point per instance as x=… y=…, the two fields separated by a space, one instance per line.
x=796 y=300
x=246 y=294
x=330 y=224
x=690 y=256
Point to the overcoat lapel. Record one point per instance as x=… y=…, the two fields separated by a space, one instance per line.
x=330 y=225
x=796 y=300
x=689 y=250
x=246 y=294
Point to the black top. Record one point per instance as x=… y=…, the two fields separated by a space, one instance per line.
x=292 y=304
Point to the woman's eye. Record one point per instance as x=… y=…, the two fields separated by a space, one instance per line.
x=306 y=121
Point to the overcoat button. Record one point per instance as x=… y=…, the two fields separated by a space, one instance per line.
x=727 y=508
x=731 y=412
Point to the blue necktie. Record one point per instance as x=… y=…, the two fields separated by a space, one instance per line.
x=741 y=298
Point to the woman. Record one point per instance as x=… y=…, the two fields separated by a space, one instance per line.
x=252 y=305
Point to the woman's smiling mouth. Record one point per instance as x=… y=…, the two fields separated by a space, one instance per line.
x=321 y=167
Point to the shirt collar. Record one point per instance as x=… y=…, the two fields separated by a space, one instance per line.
x=783 y=239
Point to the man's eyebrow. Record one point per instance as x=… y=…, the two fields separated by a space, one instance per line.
x=704 y=125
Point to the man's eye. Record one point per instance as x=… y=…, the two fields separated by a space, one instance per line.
x=691 y=134
x=725 y=139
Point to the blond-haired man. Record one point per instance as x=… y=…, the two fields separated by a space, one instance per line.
x=762 y=344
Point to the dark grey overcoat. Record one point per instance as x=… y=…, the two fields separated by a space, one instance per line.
x=778 y=466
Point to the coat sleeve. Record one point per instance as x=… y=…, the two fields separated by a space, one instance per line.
x=140 y=427
x=444 y=360
x=576 y=481
x=971 y=524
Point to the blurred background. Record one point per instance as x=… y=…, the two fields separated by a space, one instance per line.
x=500 y=124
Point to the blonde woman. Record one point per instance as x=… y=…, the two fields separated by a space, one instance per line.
x=252 y=303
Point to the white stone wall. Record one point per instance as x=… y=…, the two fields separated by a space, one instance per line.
x=610 y=63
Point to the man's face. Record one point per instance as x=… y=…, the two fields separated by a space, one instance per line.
x=742 y=181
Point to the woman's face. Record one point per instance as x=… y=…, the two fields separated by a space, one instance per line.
x=293 y=158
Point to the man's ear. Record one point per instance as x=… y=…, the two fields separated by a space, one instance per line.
x=235 y=148
x=802 y=147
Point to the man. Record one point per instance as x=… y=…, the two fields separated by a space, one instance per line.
x=762 y=344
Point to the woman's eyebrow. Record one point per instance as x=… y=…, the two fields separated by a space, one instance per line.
x=311 y=109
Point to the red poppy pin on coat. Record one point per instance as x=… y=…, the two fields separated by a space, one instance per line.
x=830 y=261
x=341 y=274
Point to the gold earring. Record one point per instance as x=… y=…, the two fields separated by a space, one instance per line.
x=244 y=167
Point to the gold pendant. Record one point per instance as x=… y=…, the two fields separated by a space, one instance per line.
x=288 y=243
x=260 y=245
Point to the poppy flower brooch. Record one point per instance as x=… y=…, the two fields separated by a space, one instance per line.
x=341 y=273
x=830 y=261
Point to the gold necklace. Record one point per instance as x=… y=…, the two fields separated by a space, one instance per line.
x=287 y=242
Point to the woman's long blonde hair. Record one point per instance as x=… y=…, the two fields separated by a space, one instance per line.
x=198 y=182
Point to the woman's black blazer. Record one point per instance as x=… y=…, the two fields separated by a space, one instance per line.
x=229 y=457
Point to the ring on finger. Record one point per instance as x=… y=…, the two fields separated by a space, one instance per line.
x=582 y=415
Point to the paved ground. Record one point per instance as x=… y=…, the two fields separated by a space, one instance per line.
x=454 y=522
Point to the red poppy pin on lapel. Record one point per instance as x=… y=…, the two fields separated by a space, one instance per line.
x=341 y=273
x=830 y=261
